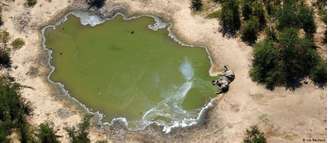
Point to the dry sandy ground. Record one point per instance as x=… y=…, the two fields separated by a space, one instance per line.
x=284 y=115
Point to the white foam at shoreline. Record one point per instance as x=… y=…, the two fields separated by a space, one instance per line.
x=87 y=18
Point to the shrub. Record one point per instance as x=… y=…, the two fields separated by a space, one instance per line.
x=258 y=11
x=5 y=60
x=96 y=3
x=246 y=9
x=1 y=22
x=46 y=134
x=229 y=17
x=4 y=37
x=287 y=16
x=18 y=43
x=285 y=61
x=319 y=73
x=271 y=34
x=305 y=15
x=214 y=14
x=265 y=64
x=249 y=30
x=80 y=135
x=254 y=135
x=196 y=5
x=31 y=3
x=13 y=111
x=272 y=7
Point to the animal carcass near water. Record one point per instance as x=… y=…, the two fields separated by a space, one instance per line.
x=224 y=79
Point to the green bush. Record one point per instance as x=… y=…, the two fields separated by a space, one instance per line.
x=229 y=17
x=18 y=43
x=80 y=134
x=46 y=134
x=31 y=3
x=272 y=7
x=254 y=135
x=4 y=36
x=1 y=22
x=285 y=61
x=214 y=14
x=96 y=3
x=270 y=34
x=295 y=14
x=258 y=11
x=249 y=30
x=305 y=15
x=13 y=111
x=287 y=16
x=5 y=60
x=246 y=9
x=196 y=5
x=319 y=73
x=266 y=64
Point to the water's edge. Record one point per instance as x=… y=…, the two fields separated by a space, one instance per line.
x=92 y=19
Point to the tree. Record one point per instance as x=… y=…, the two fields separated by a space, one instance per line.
x=80 y=135
x=96 y=3
x=46 y=134
x=18 y=43
x=254 y=135
x=298 y=56
x=249 y=30
x=229 y=17
x=265 y=67
x=13 y=111
x=284 y=61
x=196 y=5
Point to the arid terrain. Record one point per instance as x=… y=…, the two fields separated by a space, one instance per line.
x=284 y=115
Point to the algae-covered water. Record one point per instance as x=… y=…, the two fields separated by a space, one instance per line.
x=123 y=69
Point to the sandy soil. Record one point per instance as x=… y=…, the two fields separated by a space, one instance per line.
x=284 y=115
x=22 y=22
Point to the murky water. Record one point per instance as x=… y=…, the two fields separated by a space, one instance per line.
x=124 y=69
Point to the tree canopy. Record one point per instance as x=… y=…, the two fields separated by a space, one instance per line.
x=285 y=61
x=229 y=17
x=13 y=110
x=249 y=30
